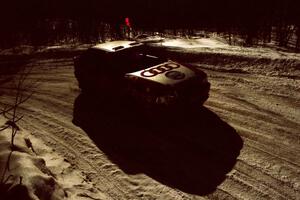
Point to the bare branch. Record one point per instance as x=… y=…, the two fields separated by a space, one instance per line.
x=7 y=179
x=6 y=169
x=5 y=127
x=12 y=124
x=17 y=104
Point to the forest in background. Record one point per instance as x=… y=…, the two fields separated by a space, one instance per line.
x=46 y=22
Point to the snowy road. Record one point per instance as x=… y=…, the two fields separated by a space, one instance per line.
x=251 y=112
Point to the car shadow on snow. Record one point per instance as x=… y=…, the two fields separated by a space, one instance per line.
x=192 y=153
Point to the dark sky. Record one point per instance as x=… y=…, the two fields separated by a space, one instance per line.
x=149 y=10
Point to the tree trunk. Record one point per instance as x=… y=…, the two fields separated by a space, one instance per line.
x=298 y=38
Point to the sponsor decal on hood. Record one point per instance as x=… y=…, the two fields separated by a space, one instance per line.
x=167 y=73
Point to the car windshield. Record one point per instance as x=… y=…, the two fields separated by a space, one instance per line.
x=124 y=61
x=142 y=61
x=132 y=61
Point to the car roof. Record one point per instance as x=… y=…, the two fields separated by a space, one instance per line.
x=117 y=45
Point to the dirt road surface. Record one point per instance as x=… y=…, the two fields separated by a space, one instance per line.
x=244 y=143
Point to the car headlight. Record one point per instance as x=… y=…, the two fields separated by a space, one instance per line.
x=165 y=99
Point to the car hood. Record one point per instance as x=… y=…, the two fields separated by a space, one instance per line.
x=167 y=73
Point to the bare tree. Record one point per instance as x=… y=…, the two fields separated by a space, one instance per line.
x=297 y=46
x=23 y=89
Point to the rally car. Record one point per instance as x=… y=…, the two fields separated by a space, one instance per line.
x=126 y=71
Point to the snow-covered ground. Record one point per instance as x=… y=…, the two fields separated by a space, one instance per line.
x=254 y=98
x=215 y=54
x=33 y=170
x=195 y=43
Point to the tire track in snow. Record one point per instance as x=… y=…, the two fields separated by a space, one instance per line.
x=267 y=168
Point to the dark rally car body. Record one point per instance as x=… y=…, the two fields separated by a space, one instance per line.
x=126 y=71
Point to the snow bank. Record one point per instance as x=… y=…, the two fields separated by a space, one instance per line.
x=38 y=173
x=213 y=54
x=18 y=50
x=194 y=43
x=23 y=174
